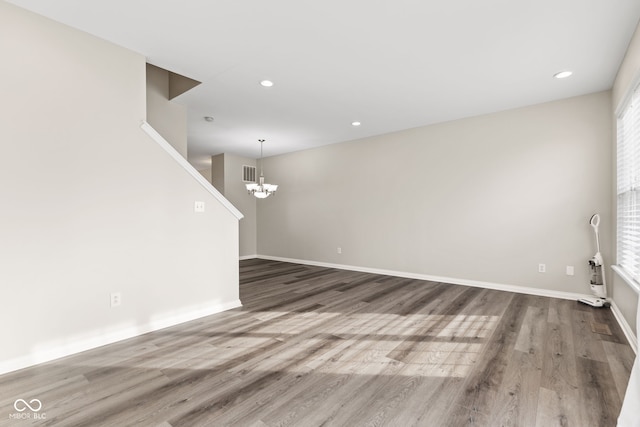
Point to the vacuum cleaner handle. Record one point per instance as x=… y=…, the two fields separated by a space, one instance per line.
x=595 y=222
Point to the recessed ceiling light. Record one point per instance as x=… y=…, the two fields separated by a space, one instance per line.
x=208 y=118
x=355 y=123
x=266 y=83
x=562 y=74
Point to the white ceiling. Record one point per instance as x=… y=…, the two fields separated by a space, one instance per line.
x=390 y=64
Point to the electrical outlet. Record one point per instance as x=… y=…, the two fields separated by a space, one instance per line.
x=542 y=268
x=570 y=270
x=339 y=250
x=116 y=299
x=198 y=206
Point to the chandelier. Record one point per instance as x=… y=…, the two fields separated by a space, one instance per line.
x=260 y=189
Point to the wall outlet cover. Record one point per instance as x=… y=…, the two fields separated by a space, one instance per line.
x=116 y=299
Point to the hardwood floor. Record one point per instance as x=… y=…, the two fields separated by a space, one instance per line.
x=317 y=346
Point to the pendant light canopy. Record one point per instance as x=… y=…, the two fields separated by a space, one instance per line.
x=260 y=189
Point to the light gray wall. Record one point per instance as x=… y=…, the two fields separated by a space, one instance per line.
x=168 y=118
x=485 y=198
x=624 y=296
x=91 y=205
x=226 y=172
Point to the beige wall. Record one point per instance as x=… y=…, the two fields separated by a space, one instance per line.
x=624 y=296
x=168 y=118
x=236 y=191
x=485 y=198
x=206 y=173
x=217 y=172
x=629 y=70
x=91 y=205
x=226 y=172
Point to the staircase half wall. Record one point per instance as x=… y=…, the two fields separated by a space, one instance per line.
x=92 y=205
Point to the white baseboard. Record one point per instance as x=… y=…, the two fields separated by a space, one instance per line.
x=628 y=331
x=42 y=355
x=452 y=280
x=244 y=257
x=626 y=328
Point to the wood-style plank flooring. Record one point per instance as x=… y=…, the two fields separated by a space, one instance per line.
x=316 y=346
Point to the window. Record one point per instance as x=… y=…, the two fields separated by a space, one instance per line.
x=628 y=188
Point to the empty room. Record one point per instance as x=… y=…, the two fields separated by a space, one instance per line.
x=297 y=213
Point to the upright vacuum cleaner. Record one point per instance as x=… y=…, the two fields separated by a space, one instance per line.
x=596 y=267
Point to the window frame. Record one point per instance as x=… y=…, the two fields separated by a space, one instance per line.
x=628 y=192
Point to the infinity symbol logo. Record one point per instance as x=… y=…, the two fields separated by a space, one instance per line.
x=21 y=405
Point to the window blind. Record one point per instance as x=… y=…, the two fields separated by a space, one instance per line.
x=628 y=188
